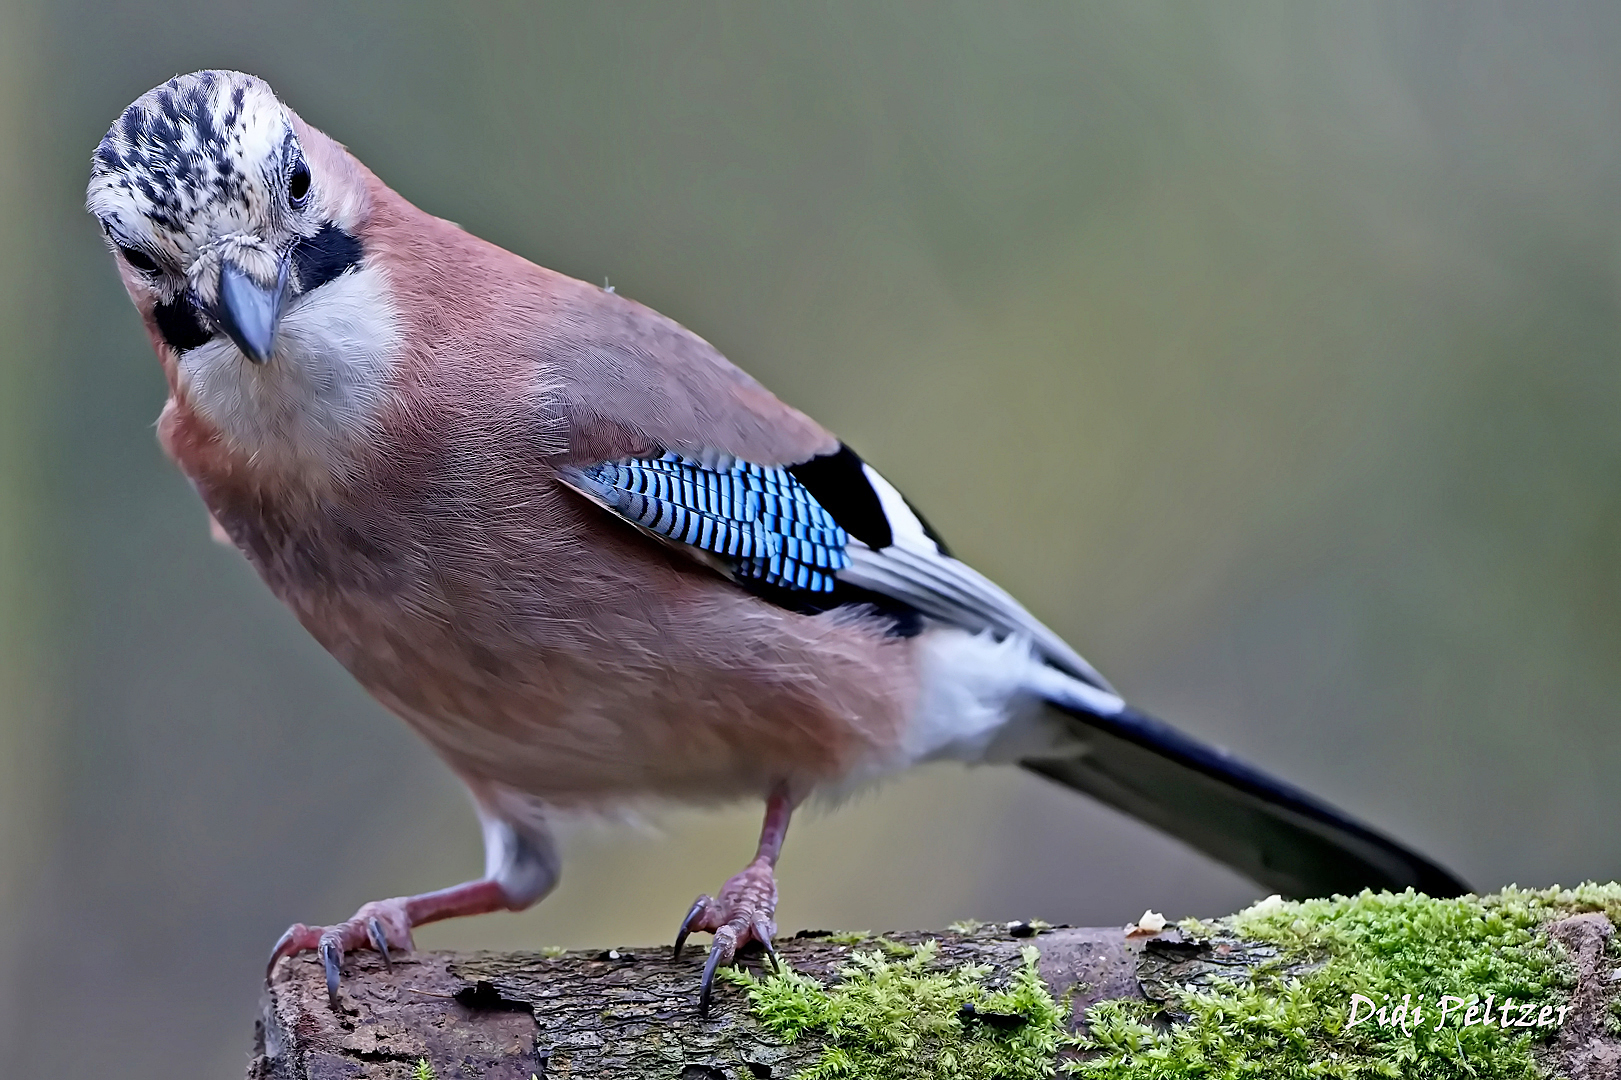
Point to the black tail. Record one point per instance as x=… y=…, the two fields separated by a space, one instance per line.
x=1266 y=829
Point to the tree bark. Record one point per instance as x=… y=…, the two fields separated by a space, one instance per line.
x=618 y=1013
x=632 y=1013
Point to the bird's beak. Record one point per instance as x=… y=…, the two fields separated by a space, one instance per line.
x=249 y=312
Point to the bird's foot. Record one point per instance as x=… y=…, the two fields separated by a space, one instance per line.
x=384 y=925
x=741 y=915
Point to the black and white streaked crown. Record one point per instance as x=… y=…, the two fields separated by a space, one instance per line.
x=194 y=159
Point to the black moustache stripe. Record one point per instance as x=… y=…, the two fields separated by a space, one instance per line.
x=180 y=325
x=327 y=255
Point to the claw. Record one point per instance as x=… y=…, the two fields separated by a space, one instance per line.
x=331 y=958
x=292 y=942
x=706 y=988
x=379 y=941
x=276 y=953
x=764 y=939
x=686 y=925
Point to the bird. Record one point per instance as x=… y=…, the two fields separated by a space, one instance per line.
x=584 y=556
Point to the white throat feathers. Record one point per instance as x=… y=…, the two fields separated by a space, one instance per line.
x=309 y=406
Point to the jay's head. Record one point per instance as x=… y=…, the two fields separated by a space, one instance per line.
x=240 y=233
x=224 y=209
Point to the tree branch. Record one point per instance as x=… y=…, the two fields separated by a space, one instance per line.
x=632 y=1013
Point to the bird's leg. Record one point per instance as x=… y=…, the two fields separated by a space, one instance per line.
x=520 y=868
x=746 y=908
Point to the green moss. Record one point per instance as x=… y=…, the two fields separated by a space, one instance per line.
x=900 y=1016
x=422 y=1070
x=1287 y=1019
x=896 y=1013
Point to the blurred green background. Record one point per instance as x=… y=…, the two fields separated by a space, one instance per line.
x=1269 y=353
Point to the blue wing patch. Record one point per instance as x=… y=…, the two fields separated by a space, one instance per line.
x=764 y=523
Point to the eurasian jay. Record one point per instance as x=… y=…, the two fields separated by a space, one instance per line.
x=585 y=557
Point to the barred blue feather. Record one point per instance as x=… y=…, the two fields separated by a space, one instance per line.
x=760 y=519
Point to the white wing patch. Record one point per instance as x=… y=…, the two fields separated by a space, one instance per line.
x=905 y=528
x=913 y=569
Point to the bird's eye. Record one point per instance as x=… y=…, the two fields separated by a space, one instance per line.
x=138 y=259
x=298 y=186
